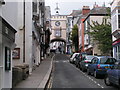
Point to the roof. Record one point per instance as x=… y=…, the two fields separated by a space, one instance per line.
x=98 y=11
x=76 y=12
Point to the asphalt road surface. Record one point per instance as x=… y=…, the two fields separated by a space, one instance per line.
x=66 y=75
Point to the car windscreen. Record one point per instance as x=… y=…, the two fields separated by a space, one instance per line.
x=107 y=61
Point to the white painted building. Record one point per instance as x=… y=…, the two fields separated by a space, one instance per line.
x=7 y=39
x=28 y=38
x=115 y=21
x=68 y=33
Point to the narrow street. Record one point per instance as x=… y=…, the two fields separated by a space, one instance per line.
x=66 y=75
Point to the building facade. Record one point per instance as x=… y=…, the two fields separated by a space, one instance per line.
x=58 y=23
x=29 y=37
x=72 y=20
x=58 y=31
x=115 y=20
x=68 y=33
x=96 y=14
x=85 y=11
x=48 y=29
x=7 y=44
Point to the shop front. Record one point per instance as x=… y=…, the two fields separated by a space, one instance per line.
x=7 y=39
x=116 y=49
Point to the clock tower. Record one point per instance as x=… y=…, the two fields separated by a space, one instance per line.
x=58 y=24
x=57 y=9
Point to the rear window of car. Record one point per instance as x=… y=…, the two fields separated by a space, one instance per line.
x=107 y=61
x=89 y=57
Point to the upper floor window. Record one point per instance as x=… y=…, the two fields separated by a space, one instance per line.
x=34 y=4
x=57 y=33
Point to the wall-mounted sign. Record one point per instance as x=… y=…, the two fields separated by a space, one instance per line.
x=16 y=53
x=7 y=58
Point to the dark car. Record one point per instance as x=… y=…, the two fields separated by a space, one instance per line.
x=78 y=59
x=113 y=75
x=86 y=60
x=100 y=64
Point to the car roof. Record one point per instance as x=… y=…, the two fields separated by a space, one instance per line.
x=76 y=53
x=103 y=56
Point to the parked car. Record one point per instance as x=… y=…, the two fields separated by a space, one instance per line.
x=72 y=58
x=84 y=63
x=78 y=59
x=99 y=65
x=113 y=75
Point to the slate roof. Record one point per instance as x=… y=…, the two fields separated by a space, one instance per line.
x=99 y=10
x=75 y=13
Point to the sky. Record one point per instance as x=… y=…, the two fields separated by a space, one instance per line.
x=66 y=6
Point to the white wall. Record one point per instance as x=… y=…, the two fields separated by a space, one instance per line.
x=19 y=34
x=28 y=31
x=9 y=13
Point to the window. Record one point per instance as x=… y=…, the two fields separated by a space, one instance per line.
x=34 y=4
x=7 y=58
x=57 y=33
x=118 y=21
x=107 y=60
x=118 y=11
x=114 y=22
x=94 y=61
x=119 y=52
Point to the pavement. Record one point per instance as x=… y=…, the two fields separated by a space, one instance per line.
x=39 y=77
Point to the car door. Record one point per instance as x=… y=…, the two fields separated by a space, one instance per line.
x=92 y=65
x=114 y=74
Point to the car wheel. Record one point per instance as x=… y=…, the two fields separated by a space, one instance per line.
x=107 y=81
x=83 y=69
x=119 y=84
x=95 y=74
x=88 y=71
x=80 y=67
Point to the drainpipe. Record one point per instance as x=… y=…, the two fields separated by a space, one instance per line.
x=24 y=32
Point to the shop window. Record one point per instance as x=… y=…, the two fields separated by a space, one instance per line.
x=7 y=58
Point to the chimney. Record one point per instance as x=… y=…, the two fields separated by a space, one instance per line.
x=95 y=5
x=85 y=10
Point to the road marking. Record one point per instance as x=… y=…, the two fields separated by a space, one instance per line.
x=88 y=77
x=63 y=61
x=95 y=82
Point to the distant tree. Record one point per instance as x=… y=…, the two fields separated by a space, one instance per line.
x=102 y=34
x=74 y=37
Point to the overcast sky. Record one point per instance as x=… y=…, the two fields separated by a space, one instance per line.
x=66 y=6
